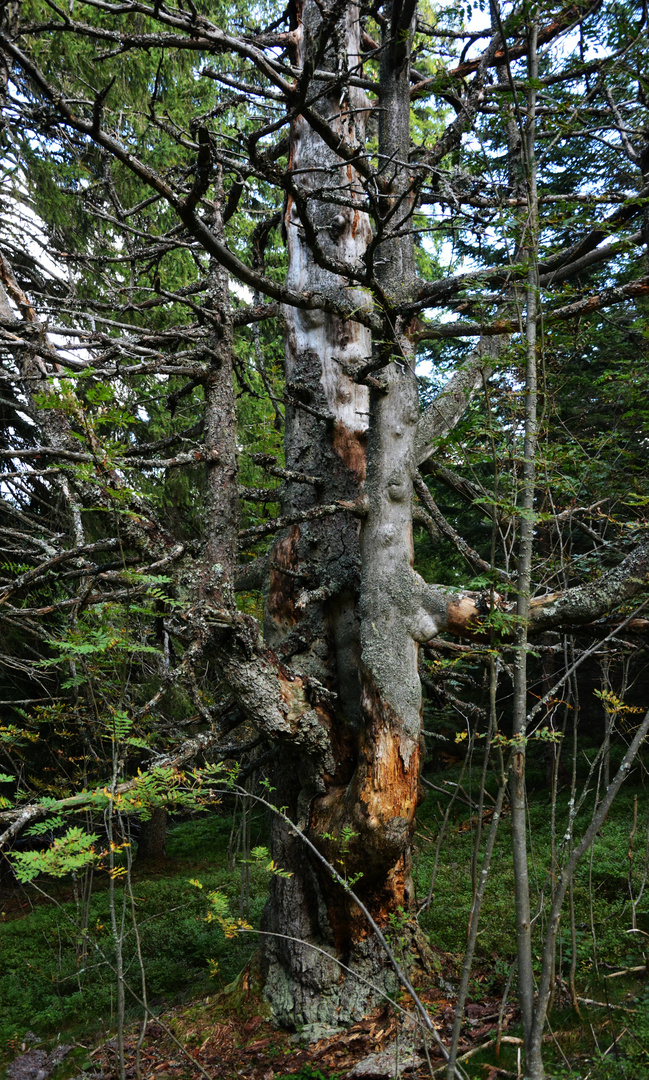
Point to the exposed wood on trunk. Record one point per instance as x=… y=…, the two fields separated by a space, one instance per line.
x=311 y=614
x=365 y=822
x=460 y=612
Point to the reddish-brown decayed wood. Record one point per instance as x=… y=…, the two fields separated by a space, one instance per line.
x=351 y=447
x=281 y=598
x=462 y=616
x=390 y=787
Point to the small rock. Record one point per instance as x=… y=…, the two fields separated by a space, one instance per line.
x=37 y=1064
x=392 y=1062
x=312 y=1033
x=29 y=1066
x=57 y=1055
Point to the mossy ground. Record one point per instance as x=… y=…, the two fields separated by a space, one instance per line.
x=48 y=987
x=188 y=961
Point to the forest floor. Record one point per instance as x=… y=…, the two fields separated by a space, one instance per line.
x=57 y=1005
x=229 y=1035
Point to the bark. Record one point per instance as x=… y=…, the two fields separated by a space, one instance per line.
x=348 y=612
x=350 y=630
x=526 y=535
x=585 y=603
x=311 y=614
x=61 y=419
x=216 y=585
x=152 y=841
x=451 y=403
x=534 y=1065
x=461 y=611
x=334 y=683
x=385 y=788
x=278 y=700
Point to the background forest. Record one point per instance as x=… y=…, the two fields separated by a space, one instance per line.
x=324 y=399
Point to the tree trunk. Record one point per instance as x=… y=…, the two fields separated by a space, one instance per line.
x=346 y=628
x=526 y=545
x=152 y=843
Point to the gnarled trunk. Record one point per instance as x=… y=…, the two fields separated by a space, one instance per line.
x=341 y=599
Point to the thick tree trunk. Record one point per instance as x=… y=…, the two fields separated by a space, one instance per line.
x=346 y=610
x=311 y=616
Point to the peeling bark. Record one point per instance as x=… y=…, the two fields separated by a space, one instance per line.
x=345 y=636
x=366 y=637
x=334 y=683
x=276 y=699
x=311 y=613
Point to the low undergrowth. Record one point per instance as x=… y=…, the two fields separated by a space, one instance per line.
x=604 y=932
x=609 y=1037
x=56 y=975
x=56 y=978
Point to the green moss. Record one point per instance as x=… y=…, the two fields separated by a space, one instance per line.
x=47 y=984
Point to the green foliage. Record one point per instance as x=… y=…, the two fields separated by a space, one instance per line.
x=75 y=849
x=54 y=972
x=46 y=826
x=603 y=884
x=68 y=854
x=261 y=855
x=138 y=294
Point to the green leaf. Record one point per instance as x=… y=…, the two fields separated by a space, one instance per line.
x=72 y=851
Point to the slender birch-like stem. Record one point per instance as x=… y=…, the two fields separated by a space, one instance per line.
x=116 y=931
x=519 y=837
